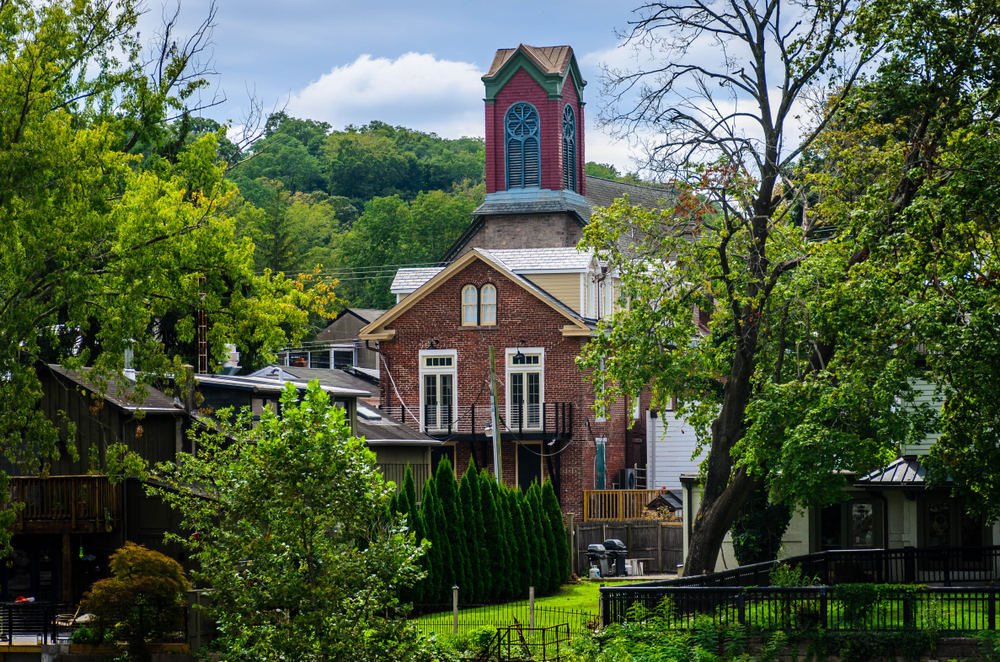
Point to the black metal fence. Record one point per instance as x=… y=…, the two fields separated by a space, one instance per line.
x=948 y=566
x=32 y=622
x=943 y=609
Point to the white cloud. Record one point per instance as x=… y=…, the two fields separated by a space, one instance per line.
x=416 y=90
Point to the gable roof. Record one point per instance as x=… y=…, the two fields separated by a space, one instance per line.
x=364 y=314
x=542 y=259
x=332 y=377
x=550 y=66
x=903 y=471
x=407 y=280
x=121 y=394
x=578 y=326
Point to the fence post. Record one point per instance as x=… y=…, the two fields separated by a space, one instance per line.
x=570 y=542
x=454 y=608
x=531 y=607
x=822 y=606
x=659 y=546
x=993 y=609
x=742 y=601
x=604 y=607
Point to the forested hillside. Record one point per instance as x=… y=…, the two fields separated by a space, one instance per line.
x=356 y=203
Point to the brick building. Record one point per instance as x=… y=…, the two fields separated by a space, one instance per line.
x=515 y=282
x=435 y=345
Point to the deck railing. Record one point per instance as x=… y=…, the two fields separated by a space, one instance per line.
x=549 y=419
x=616 y=505
x=69 y=499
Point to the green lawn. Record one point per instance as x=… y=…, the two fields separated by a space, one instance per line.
x=573 y=603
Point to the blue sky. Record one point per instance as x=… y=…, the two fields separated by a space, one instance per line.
x=415 y=64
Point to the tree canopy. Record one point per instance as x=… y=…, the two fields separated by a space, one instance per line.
x=293 y=536
x=117 y=228
x=804 y=282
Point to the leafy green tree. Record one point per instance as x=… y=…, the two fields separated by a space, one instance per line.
x=292 y=538
x=101 y=248
x=560 y=550
x=142 y=600
x=484 y=571
x=524 y=559
x=821 y=313
x=758 y=529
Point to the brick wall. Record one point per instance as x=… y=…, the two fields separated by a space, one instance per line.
x=522 y=87
x=520 y=317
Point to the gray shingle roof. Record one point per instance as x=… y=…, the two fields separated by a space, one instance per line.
x=532 y=207
x=337 y=379
x=407 y=280
x=380 y=429
x=121 y=392
x=602 y=192
x=534 y=259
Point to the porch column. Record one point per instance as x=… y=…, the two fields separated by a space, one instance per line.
x=67 y=570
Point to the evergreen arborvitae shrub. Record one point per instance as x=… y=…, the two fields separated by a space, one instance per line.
x=440 y=553
x=545 y=531
x=485 y=571
x=550 y=504
x=410 y=490
x=473 y=589
x=493 y=535
x=524 y=547
x=451 y=524
x=534 y=503
x=509 y=549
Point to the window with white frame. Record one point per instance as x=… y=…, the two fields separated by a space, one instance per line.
x=438 y=396
x=488 y=305
x=525 y=388
x=470 y=305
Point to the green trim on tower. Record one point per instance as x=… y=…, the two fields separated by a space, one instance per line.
x=551 y=83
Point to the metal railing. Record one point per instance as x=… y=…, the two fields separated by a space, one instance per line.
x=29 y=622
x=616 y=505
x=551 y=419
x=922 y=565
x=70 y=499
x=953 y=609
x=719 y=593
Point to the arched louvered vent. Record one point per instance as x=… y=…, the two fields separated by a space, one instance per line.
x=569 y=148
x=521 y=124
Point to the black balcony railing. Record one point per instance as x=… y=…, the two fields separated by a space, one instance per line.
x=550 y=420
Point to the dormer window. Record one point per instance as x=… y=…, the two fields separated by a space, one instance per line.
x=479 y=305
x=569 y=148
x=521 y=128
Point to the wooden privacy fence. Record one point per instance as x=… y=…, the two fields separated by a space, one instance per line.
x=659 y=545
x=617 y=505
x=396 y=473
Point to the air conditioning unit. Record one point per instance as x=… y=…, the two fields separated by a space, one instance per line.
x=627 y=479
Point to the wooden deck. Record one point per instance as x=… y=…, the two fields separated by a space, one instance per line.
x=66 y=504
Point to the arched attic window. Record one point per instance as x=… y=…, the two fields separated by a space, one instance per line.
x=470 y=305
x=569 y=148
x=488 y=305
x=521 y=124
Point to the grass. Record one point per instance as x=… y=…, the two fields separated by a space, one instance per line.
x=573 y=603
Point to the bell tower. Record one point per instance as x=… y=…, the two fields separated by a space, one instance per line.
x=535 y=183
x=534 y=125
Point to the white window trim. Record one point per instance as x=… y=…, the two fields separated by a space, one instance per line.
x=475 y=305
x=636 y=406
x=452 y=370
x=540 y=368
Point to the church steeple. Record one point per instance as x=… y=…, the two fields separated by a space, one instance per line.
x=534 y=125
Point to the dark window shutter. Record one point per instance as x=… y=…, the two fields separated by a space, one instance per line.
x=523 y=168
